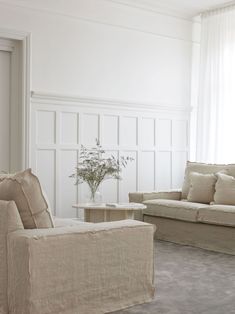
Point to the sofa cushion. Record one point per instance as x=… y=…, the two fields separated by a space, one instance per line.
x=24 y=188
x=203 y=168
x=202 y=187
x=224 y=190
x=170 y=195
x=180 y=210
x=217 y=215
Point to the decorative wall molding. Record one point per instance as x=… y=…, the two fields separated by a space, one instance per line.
x=155 y=8
x=156 y=139
x=105 y=103
x=93 y=20
x=6 y=45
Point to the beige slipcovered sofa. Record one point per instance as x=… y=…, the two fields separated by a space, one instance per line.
x=206 y=225
x=69 y=267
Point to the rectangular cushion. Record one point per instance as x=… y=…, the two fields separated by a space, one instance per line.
x=224 y=190
x=180 y=210
x=24 y=188
x=205 y=169
x=218 y=215
x=170 y=195
x=202 y=187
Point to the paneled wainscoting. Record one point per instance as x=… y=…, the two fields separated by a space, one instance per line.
x=156 y=136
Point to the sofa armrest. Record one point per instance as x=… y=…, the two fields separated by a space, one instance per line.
x=9 y=221
x=95 y=268
x=140 y=197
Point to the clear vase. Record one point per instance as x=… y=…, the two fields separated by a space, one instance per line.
x=94 y=198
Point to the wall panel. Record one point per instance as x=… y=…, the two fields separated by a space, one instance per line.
x=109 y=187
x=45 y=169
x=45 y=127
x=69 y=128
x=147 y=138
x=156 y=139
x=179 y=135
x=68 y=195
x=110 y=130
x=129 y=176
x=90 y=128
x=164 y=134
x=163 y=170
x=147 y=171
x=179 y=160
x=128 y=131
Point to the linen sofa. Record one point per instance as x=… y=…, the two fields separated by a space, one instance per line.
x=205 y=225
x=69 y=267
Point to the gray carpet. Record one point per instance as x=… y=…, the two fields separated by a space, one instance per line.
x=190 y=281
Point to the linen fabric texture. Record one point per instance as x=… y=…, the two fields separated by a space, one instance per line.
x=24 y=188
x=225 y=190
x=202 y=187
x=9 y=221
x=173 y=209
x=87 y=269
x=204 y=169
x=223 y=215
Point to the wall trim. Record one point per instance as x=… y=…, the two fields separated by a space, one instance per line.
x=155 y=9
x=92 y=20
x=105 y=103
x=6 y=45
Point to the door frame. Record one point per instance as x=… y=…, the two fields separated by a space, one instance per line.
x=25 y=38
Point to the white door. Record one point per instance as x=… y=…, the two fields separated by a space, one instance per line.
x=5 y=76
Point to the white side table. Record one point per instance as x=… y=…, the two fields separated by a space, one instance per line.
x=103 y=212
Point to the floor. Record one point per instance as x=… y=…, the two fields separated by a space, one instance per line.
x=190 y=281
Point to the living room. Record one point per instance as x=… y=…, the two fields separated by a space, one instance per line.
x=144 y=91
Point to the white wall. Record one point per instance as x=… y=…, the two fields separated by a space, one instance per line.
x=115 y=52
x=109 y=53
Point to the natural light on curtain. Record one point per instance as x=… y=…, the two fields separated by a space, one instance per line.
x=216 y=99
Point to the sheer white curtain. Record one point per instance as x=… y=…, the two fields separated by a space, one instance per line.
x=216 y=99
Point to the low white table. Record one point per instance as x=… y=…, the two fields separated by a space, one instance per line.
x=104 y=212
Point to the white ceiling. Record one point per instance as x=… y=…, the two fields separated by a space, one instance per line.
x=184 y=8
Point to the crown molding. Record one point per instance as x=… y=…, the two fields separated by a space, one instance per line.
x=98 y=21
x=104 y=103
x=156 y=8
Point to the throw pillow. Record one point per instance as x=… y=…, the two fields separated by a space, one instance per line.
x=202 y=187
x=24 y=188
x=224 y=190
x=204 y=169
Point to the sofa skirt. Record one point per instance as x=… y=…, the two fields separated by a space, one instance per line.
x=211 y=237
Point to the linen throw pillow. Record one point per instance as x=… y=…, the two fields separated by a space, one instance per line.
x=202 y=187
x=224 y=190
x=204 y=169
x=24 y=188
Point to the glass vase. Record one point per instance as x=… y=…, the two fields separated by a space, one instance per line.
x=94 y=198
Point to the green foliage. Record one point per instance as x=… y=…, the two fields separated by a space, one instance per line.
x=93 y=167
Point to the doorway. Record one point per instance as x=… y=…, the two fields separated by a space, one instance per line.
x=14 y=101
x=5 y=70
